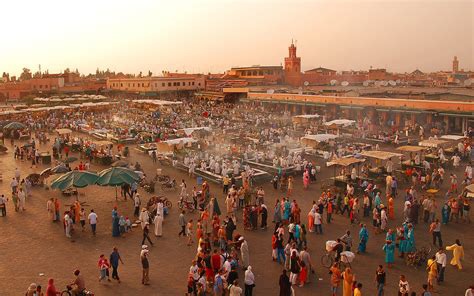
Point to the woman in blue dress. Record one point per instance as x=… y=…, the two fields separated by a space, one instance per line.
x=286 y=213
x=115 y=224
x=410 y=241
x=445 y=211
x=390 y=235
x=389 y=249
x=363 y=238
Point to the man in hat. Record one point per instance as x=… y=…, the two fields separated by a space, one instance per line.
x=145 y=265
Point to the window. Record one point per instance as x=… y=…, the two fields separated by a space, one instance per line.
x=163 y=84
x=199 y=83
x=121 y=84
x=129 y=85
x=169 y=83
x=178 y=83
x=193 y=82
x=133 y=84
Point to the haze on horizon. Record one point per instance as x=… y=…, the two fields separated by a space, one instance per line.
x=212 y=35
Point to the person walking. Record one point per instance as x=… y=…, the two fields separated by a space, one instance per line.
x=363 y=238
x=458 y=254
x=146 y=231
x=348 y=282
x=234 y=289
x=432 y=269
x=21 y=199
x=285 y=285
x=249 y=281
x=435 y=229
x=145 y=265
x=3 y=205
x=441 y=262
x=136 y=204
x=182 y=223
x=335 y=278
x=158 y=221
x=114 y=262
x=93 y=221
x=389 y=249
x=104 y=266
x=403 y=286
x=380 y=278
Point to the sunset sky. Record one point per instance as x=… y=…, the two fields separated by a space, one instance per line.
x=214 y=35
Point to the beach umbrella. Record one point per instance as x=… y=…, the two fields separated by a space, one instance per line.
x=14 y=126
x=70 y=159
x=117 y=176
x=120 y=163
x=59 y=169
x=77 y=179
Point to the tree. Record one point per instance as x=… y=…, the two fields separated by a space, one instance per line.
x=149 y=73
x=67 y=71
x=26 y=74
x=140 y=74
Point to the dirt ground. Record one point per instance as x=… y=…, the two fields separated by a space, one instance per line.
x=34 y=249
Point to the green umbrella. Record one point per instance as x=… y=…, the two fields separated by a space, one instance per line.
x=78 y=179
x=117 y=176
x=14 y=126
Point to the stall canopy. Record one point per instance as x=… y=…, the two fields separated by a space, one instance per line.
x=307 y=116
x=346 y=161
x=103 y=143
x=433 y=143
x=320 y=137
x=63 y=131
x=452 y=137
x=383 y=155
x=411 y=148
x=177 y=141
x=340 y=122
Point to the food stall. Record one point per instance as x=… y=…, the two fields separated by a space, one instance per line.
x=342 y=180
x=412 y=150
x=379 y=171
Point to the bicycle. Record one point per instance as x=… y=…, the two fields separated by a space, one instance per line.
x=328 y=259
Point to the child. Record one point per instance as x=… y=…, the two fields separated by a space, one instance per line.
x=122 y=225
x=82 y=218
x=128 y=225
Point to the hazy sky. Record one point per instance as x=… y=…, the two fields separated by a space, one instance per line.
x=214 y=35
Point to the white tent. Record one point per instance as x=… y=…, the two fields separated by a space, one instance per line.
x=342 y=122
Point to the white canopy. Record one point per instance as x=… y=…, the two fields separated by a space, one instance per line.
x=180 y=140
x=452 y=137
x=343 y=122
x=308 y=116
x=158 y=102
x=320 y=137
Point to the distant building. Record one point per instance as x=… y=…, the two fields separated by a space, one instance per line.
x=257 y=75
x=293 y=67
x=155 y=84
x=455 y=64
